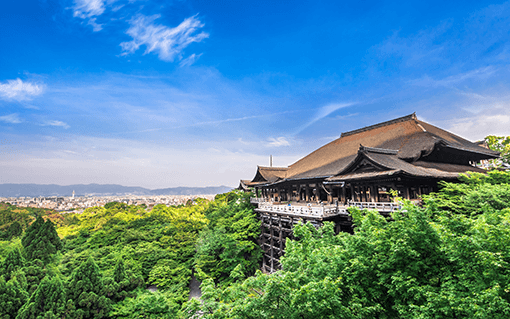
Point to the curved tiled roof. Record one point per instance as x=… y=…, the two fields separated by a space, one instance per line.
x=389 y=164
x=412 y=138
x=269 y=174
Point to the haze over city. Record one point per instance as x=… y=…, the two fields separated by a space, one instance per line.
x=195 y=93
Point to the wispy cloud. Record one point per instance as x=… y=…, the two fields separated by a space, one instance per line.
x=190 y=60
x=19 y=90
x=244 y=118
x=277 y=142
x=323 y=112
x=493 y=121
x=11 y=119
x=89 y=10
x=167 y=42
x=56 y=123
x=449 y=81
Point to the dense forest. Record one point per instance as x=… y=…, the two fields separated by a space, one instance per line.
x=446 y=258
x=98 y=264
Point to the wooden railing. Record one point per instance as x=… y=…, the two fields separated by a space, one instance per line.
x=320 y=210
x=302 y=210
x=381 y=207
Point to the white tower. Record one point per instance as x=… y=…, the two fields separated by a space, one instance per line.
x=73 y=194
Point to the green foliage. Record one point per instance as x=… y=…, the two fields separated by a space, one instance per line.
x=428 y=262
x=123 y=282
x=48 y=301
x=35 y=271
x=13 y=262
x=107 y=254
x=41 y=241
x=230 y=239
x=476 y=194
x=12 y=298
x=151 y=305
x=500 y=144
x=88 y=292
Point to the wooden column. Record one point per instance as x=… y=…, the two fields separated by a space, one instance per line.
x=330 y=195
x=372 y=193
x=307 y=194
x=263 y=241
x=271 y=232
x=280 y=236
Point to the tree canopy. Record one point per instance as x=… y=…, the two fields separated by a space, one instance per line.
x=433 y=261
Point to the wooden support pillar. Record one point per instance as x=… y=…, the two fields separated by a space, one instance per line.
x=353 y=194
x=307 y=194
x=372 y=193
x=330 y=195
x=263 y=241
x=280 y=236
x=271 y=243
x=344 y=199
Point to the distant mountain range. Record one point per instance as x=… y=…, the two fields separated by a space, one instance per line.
x=36 y=190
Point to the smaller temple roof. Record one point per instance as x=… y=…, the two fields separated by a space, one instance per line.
x=267 y=174
x=378 y=162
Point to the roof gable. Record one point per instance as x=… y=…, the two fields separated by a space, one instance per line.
x=269 y=174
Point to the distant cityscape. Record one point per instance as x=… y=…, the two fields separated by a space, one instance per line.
x=80 y=203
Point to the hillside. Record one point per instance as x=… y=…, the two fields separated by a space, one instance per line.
x=36 y=190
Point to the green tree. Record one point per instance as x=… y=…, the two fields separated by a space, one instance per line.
x=13 y=262
x=151 y=305
x=14 y=230
x=123 y=283
x=41 y=241
x=12 y=298
x=230 y=239
x=34 y=272
x=427 y=262
x=48 y=301
x=500 y=144
x=87 y=292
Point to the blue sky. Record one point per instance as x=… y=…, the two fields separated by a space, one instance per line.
x=197 y=93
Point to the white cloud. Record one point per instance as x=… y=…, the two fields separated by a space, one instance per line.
x=495 y=121
x=56 y=123
x=190 y=60
x=450 y=81
x=167 y=42
x=277 y=142
x=11 y=119
x=88 y=8
x=19 y=90
x=83 y=160
x=95 y=26
x=323 y=112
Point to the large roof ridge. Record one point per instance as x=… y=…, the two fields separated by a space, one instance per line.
x=371 y=127
x=274 y=168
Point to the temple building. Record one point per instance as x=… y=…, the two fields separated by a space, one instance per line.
x=361 y=168
x=404 y=154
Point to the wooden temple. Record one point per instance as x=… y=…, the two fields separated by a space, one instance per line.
x=360 y=168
